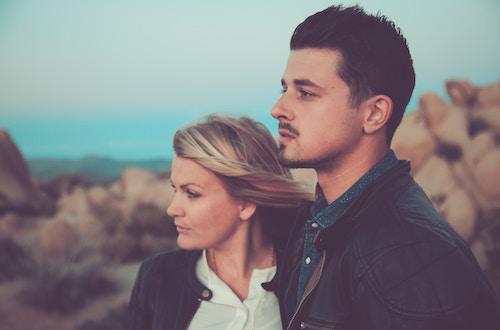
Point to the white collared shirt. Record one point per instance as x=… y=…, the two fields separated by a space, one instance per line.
x=225 y=310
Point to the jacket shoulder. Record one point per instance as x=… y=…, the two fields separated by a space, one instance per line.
x=164 y=267
x=167 y=260
x=410 y=260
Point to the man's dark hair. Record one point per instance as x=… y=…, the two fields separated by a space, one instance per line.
x=376 y=58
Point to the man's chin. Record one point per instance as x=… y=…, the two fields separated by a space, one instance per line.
x=291 y=162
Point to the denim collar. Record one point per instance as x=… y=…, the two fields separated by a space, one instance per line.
x=326 y=214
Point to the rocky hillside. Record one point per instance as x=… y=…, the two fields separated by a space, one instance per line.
x=18 y=191
x=70 y=248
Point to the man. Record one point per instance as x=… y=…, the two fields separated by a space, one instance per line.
x=373 y=253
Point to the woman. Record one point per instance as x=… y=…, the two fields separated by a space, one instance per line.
x=232 y=204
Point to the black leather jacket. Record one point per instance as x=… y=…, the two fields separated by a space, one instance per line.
x=166 y=293
x=390 y=262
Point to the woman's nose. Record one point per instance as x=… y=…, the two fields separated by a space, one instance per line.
x=175 y=209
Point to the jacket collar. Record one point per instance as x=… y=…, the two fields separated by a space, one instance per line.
x=389 y=183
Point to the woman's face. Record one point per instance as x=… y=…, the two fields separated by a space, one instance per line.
x=205 y=215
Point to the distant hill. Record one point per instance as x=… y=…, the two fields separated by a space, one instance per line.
x=92 y=168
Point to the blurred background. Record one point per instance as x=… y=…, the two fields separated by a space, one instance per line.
x=91 y=93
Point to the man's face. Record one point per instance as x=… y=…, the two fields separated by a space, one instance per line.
x=318 y=125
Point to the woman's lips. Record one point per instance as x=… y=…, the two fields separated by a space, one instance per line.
x=181 y=228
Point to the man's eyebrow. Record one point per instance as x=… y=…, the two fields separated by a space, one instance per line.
x=305 y=82
x=302 y=82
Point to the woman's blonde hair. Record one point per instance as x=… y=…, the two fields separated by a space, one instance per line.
x=244 y=155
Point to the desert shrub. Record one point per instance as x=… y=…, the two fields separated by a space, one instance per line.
x=122 y=247
x=15 y=262
x=477 y=126
x=63 y=185
x=148 y=218
x=115 y=319
x=64 y=289
x=449 y=151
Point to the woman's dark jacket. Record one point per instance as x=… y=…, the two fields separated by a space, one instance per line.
x=390 y=262
x=167 y=292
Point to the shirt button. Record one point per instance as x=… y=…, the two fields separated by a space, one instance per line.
x=308 y=260
x=314 y=225
x=205 y=293
x=302 y=325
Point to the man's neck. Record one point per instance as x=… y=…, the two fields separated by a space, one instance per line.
x=343 y=174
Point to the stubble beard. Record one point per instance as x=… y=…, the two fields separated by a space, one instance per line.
x=319 y=163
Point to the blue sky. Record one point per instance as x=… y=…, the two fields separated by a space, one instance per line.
x=117 y=77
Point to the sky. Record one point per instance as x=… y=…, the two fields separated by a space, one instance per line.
x=117 y=77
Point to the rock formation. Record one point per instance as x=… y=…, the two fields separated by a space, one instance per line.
x=455 y=152
x=17 y=189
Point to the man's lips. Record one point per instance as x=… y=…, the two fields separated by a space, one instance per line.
x=284 y=133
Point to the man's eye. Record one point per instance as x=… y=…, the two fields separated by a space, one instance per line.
x=283 y=90
x=304 y=93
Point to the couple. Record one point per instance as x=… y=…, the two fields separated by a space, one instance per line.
x=369 y=253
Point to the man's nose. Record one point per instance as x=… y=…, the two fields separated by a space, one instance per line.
x=282 y=109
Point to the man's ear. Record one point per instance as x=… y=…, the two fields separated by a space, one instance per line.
x=247 y=210
x=377 y=111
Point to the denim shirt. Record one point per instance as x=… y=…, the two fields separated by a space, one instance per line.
x=324 y=215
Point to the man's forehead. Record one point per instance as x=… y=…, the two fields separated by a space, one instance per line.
x=311 y=64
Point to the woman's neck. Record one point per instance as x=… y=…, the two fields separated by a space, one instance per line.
x=235 y=259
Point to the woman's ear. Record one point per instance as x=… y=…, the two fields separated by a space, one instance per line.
x=377 y=111
x=247 y=210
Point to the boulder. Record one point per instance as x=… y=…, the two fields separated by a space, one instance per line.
x=10 y=225
x=487 y=174
x=412 y=140
x=453 y=129
x=490 y=116
x=433 y=109
x=144 y=187
x=479 y=145
x=99 y=196
x=466 y=96
x=452 y=201
x=77 y=210
x=460 y=212
x=135 y=181
x=58 y=239
x=461 y=93
x=488 y=96
x=436 y=179
x=18 y=191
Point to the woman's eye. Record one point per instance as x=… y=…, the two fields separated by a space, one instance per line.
x=192 y=194
x=283 y=90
